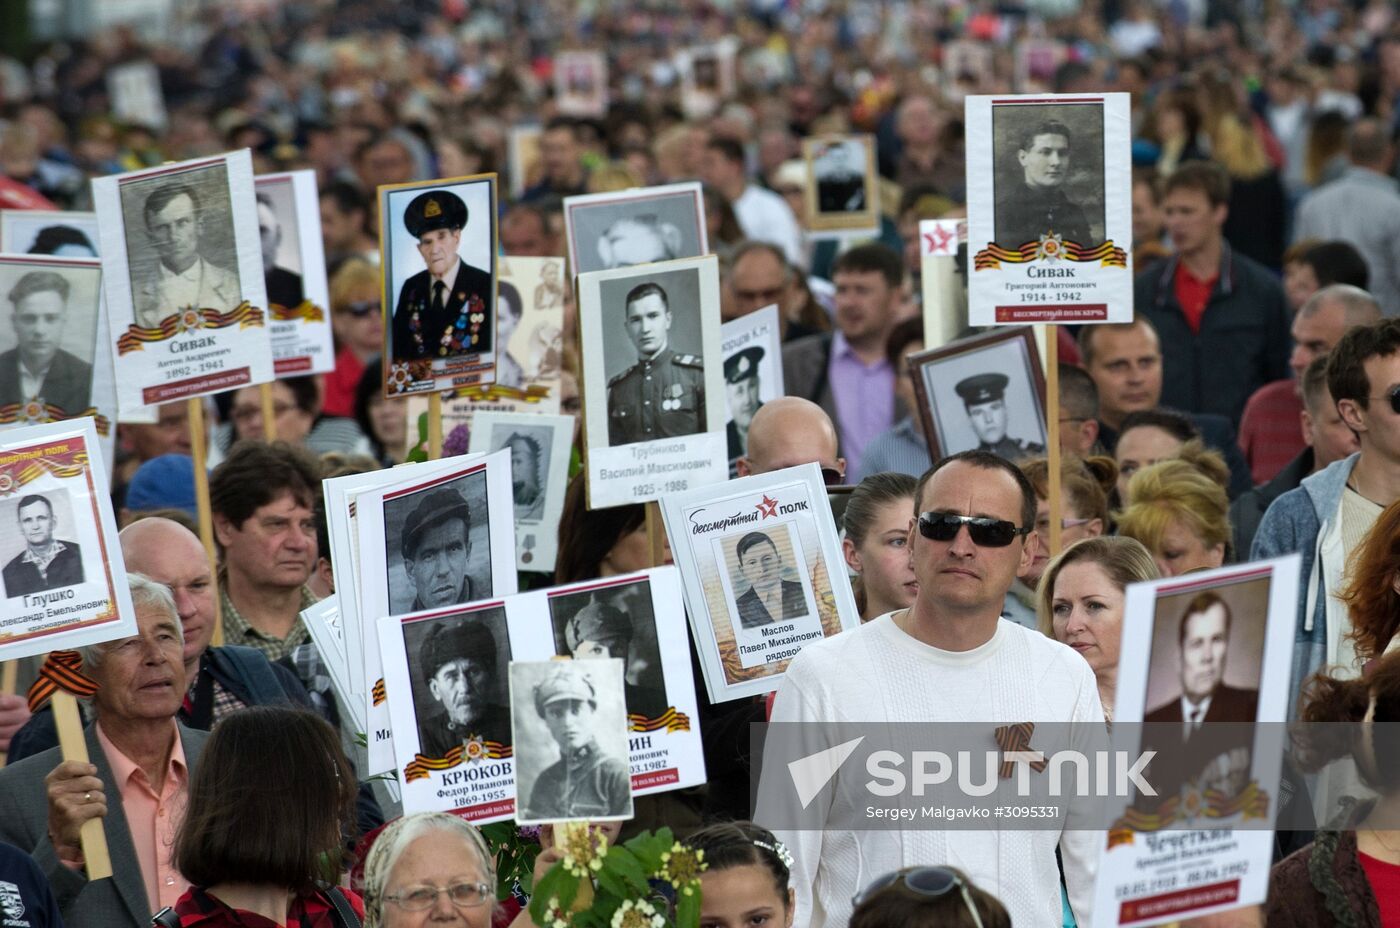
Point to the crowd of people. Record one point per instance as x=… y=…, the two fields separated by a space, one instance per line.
x=1249 y=410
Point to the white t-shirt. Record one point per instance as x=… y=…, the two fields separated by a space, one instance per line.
x=877 y=673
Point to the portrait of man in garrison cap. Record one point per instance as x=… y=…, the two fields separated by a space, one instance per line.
x=741 y=387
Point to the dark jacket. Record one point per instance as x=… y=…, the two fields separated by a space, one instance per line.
x=27 y=890
x=1244 y=340
x=1247 y=511
x=1323 y=883
x=1031 y=212
x=67 y=385
x=753 y=614
x=66 y=569
x=471 y=288
x=284 y=288
x=436 y=736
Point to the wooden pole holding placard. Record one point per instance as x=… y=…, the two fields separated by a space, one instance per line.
x=200 y=448
x=656 y=534
x=269 y=411
x=96 y=860
x=1052 y=434
x=9 y=676
x=434 y=426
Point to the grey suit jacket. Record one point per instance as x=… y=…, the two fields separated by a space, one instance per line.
x=118 y=902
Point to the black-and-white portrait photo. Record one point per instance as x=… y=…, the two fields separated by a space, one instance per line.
x=1049 y=173
x=180 y=244
x=509 y=308
x=570 y=731
x=651 y=352
x=839 y=171
x=64 y=235
x=985 y=392
x=618 y=622
x=530 y=449
x=742 y=387
x=765 y=575
x=281 y=250
x=442 y=268
x=438 y=546
x=48 y=343
x=460 y=689
x=39 y=552
x=635 y=227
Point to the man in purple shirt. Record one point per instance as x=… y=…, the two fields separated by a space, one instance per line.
x=846 y=371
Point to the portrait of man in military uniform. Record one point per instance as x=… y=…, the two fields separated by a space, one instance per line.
x=1033 y=196
x=984 y=397
x=436 y=550
x=840 y=177
x=741 y=385
x=587 y=780
x=767 y=595
x=457 y=663
x=447 y=309
x=595 y=628
x=663 y=394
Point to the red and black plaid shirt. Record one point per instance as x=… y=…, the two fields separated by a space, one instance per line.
x=196 y=907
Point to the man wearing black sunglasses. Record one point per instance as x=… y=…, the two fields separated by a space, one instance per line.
x=950 y=658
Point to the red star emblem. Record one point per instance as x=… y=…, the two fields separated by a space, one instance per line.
x=769 y=507
x=937 y=241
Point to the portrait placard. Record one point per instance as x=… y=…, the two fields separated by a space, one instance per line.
x=761 y=561
x=446 y=674
x=752 y=348
x=707 y=77
x=842 y=190
x=323 y=623
x=437 y=243
x=652 y=380
x=639 y=226
x=581 y=83
x=1205 y=674
x=1049 y=205
x=563 y=714
x=183 y=279
x=294 y=268
x=944 y=297
x=968 y=67
x=523 y=158
x=56 y=321
x=539 y=465
x=62 y=578
x=434 y=538
x=137 y=97
x=984 y=392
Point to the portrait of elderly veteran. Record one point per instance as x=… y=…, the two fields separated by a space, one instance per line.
x=1217 y=756
x=641 y=239
x=742 y=386
x=769 y=598
x=1038 y=205
x=984 y=398
x=284 y=287
x=457 y=660
x=600 y=630
x=37 y=368
x=663 y=394
x=45 y=563
x=443 y=310
x=527 y=480
x=136 y=784
x=183 y=277
x=585 y=782
x=436 y=547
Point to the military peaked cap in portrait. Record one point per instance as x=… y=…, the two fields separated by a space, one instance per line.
x=562 y=685
x=982 y=388
x=435 y=209
x=743 y=365
x=597 y=622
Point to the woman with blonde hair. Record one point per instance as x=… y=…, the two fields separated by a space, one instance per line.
x=357 y=322
x=1180 y=514
x=1258 y=215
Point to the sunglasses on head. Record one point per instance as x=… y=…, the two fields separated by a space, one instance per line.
x=362 y=308
x=985 y=533
x=923 y=881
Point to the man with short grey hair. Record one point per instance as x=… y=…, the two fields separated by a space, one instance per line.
x=1362 y=208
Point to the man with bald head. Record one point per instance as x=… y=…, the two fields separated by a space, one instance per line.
x=1362 y=208
x=789 y=431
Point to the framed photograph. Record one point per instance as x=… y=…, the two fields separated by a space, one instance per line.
x=62 y=578
x=182 y=275
x=137 y=97
x=760 y=558
x=707 y=77
x=653 y=413
x=842 y=187
x=581 y=83
x=294 y=269
x=449 y=705
x=523 y=158
x=985 y=392
x=968 y=67
x=752 y=347
x=570 y=709
x=434 y=538
x=1208 y=675
x=539 y=448
x=55 y=323
x=1049 y=204
x=438 y=246
x=631 y=227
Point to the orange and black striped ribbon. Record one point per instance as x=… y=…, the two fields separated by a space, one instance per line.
x=422 y=765
x=377 y=692
x=61 y=670
x=1016 y=738
x=671 y=720
x=243 y=315
x=15 y=412
x=994 y=255
x=307 y=311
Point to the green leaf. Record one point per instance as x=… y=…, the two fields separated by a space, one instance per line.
x=612 y=882
x=558 y=882
x=688 y=909
x=627 y=866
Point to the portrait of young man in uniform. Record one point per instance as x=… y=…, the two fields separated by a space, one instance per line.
x=984 y=397
x=600 y=630
x=445 y=309
x=585 y=782
x=663 y=394
x=1039 y=205
x=742 y=386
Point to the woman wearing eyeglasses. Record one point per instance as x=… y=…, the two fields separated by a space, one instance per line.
x=927 y=897
x=269 y=801
x=745 y=883
x=429 y=868
x=357 y=321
